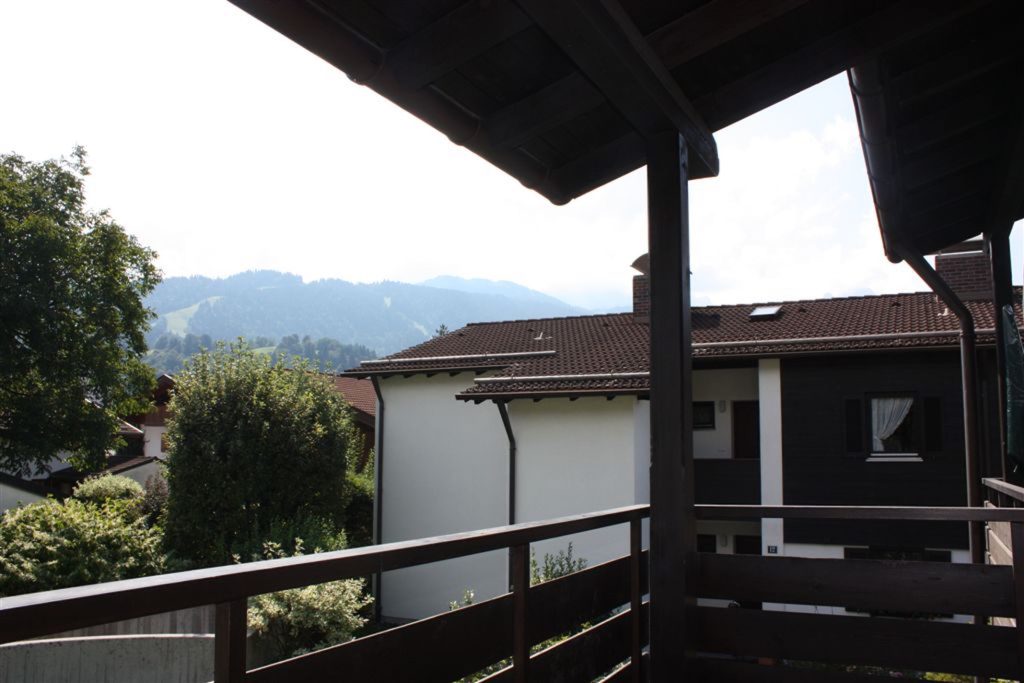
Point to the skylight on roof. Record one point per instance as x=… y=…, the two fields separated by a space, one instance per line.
x=765 y=312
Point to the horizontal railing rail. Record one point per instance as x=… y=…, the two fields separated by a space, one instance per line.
x=842 y=512
x=1007 y=494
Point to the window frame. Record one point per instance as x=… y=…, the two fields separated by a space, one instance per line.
x=917 y=431
x=704 y=405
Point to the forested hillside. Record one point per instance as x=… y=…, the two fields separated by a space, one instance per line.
x=169 y=351
x=343 y=321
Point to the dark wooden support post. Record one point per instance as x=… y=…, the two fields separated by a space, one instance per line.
x=1017 y=549
x=635 y=598
x=673 y=535
x=520 y=593
x=229 y=642
x=998 y=247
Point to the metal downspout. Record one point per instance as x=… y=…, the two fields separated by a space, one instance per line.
x=503 y=410
x=378 y=493
x=968 y=368
x=997 y=245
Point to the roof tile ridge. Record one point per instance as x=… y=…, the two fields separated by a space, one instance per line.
x=819 y=300
x=538 y=320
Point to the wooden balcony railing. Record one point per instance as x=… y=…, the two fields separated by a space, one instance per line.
x=445 y=647
x=812 y=627
x=1003 y=494
x=818 y=643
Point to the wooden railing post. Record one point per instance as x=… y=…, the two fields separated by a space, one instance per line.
x=520 y=592
x=635 y=596
x=229 y=642
x=1017 y=549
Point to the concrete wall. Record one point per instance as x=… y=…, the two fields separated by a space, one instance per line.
x=193 y=620
x=574 y=457
x=737 y=384
x=445 y=469
x=11 y=497
x=121 y=659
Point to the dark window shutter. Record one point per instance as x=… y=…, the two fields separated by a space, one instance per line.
x=854 y=426
x=932 y=424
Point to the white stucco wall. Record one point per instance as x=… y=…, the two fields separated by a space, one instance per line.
x=152 y=439
x=769 y=371
x=574 y=457
x=445 y=470
x=11 y=497
x=144 y=472
x=735 y=384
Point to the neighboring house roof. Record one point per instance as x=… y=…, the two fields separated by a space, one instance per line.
x=359 y=394
x=612 y=350
x=29 y=486
x=116 y=464
x=126 y=429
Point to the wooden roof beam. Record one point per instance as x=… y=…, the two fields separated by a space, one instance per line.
x=599 y=37
x=686 y=38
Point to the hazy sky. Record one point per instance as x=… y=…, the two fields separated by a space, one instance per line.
x=226 y=147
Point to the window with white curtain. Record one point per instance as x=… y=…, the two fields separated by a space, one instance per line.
x=892 y=426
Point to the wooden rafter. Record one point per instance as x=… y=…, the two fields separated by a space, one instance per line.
x=686 y=38
x=602 y=41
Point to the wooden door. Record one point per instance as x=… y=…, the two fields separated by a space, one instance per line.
x=746 y=429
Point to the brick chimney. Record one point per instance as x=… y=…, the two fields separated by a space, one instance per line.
x=641 y=298
x=968 y=273
x=642 y=289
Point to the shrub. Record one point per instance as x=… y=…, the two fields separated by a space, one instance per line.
x=154 y=500
x=359 y=507
x=51 y=545
x=298 y=620
x=290 y=537
x=100 y=489
x=253 y=446
x=554 y=566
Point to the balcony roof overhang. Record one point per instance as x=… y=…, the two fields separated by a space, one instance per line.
x=562 y=95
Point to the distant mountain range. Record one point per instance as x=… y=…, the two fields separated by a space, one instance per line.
x=384 y=316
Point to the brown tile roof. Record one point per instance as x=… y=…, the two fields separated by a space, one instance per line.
x=359 y=394
x=617 y=344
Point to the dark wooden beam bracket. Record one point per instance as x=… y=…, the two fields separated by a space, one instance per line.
x=599 y=37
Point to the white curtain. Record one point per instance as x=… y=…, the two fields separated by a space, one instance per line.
x=887 y=414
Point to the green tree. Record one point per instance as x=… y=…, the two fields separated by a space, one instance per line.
x=71 y=314
x=257 y=453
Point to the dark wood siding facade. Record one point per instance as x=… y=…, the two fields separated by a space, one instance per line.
x=825 y=462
